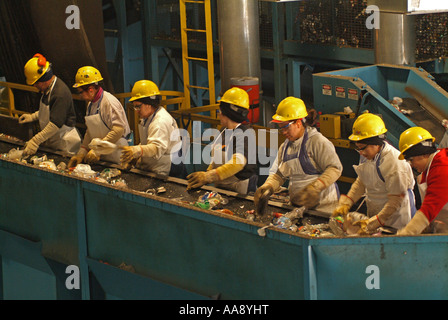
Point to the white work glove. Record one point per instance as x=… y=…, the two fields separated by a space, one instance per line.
x=29 y=117
x=33 y=144
x=417 y=224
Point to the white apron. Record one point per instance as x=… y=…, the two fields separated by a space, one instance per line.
x=160 y=166
x=441 y=221
x=376 y=194
x=98 y=129
x=67 y=139
x=301 y=173
x=230 y=183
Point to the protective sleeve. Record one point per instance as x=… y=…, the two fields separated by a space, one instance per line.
x=437 y=192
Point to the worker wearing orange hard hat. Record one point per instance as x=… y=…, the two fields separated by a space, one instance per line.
x=56 y=114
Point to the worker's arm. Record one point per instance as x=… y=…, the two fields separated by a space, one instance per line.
x=32 y=145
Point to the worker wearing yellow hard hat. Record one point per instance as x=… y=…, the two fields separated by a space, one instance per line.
x=418 y=148
x=56 y=114
x=231 y=166
x=386 y=181
x=105 y=119
x=160 y=149
x=306 y=158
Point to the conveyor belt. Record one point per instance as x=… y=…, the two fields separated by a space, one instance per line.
x=141 y=181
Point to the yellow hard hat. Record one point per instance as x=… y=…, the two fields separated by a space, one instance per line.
x=35 y=68
x=237 y=97
x=87 y=75
x=367 y=125
x=290 y=108
x=143 y=89
x=411 y=137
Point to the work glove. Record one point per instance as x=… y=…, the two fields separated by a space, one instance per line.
x=368 y=226
x=77 y=158
x=200 y=178
x=232 y=167
x=309 y=196
x=115 y=134
x=130 y=153
x=264 y=192
x=29 y=117
x=344 y=205
x=417 y=224
x=92 y=157
x=261 y=198
x=33 y=144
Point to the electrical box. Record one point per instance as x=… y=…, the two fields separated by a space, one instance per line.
x=330 y=125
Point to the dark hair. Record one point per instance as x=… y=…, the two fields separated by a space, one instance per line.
x=153 y=101
x=377 y=140
x=424 y=147
x=233 y=112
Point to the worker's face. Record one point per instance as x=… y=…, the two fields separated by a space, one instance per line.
x=87 y=94
x=41 y=86
x=419 y=163
x=224 y=121
x=368 y=151
x=292 y=130
x=144 y=110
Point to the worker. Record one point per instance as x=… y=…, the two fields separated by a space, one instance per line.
x=159 y=134
x=418 y=148
x=56 y=114
x=230 y=167
x=105 y=118
x=386 y=182
x=306 y=158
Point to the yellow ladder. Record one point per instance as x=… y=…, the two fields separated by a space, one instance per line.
x=185 y=54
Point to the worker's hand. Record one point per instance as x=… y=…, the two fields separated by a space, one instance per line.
x=75 y=160
x=416 y=226
x=30 y=148
x=28 y=117
x=367 y=226
x=261 y=198
x=344 y=205
x=130 y=153
x=200 y=178
x=309 y=196
x=92 y=157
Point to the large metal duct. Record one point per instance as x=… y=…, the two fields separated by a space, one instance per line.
x=395 y=39
x=239 y=42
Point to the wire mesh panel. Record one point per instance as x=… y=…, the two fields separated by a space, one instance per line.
x=330 y=22
x=432 y=36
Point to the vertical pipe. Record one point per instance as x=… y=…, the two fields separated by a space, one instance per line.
x=395 y=39
x=239 y=42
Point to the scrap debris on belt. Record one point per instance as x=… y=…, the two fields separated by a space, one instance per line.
x=293 y=221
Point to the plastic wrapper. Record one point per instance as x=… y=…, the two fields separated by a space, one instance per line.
x=14 y=154
x=210 y=200
x=49 y=164
x=36 y=160
x=102 y=147
x=84 y=171
x=110 y=173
